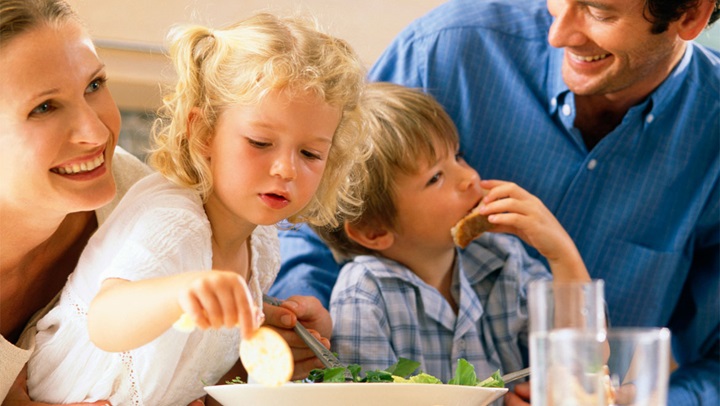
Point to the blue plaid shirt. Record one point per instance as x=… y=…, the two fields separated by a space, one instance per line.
x=643 y=206
x=382 y=311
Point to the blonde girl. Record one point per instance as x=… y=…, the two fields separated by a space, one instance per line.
x=259 y=128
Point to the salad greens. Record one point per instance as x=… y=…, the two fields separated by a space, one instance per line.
x=400 y=372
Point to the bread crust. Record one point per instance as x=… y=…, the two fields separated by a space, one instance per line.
x=469 y=228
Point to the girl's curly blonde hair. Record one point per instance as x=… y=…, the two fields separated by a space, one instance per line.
x=241 y=64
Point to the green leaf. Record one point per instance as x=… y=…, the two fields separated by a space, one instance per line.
x=378 y=376
x=494 y=381
x=403 y=367
x=419 y=378
x=464 y=374
x=334 y=374
x=355 y=371
x=316 y=375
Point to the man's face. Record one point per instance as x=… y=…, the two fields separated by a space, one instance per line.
x=609 y=49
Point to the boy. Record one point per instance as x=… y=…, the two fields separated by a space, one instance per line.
x=408 y=290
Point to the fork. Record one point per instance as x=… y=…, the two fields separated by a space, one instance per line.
x=514 y=376
x=328 y=359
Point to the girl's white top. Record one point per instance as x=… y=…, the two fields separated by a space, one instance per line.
x=158 y=229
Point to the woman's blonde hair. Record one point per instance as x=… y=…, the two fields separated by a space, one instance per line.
x=404 y=126
x=241 y=64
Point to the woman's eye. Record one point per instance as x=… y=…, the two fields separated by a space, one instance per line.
x=95 y=85
x=42 y=108
x=459 y=156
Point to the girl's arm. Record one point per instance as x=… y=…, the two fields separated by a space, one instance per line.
x=512 y=209
x=128 y=314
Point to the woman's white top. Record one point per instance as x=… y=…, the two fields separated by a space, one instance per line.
x=127 y=170
x=158 y=229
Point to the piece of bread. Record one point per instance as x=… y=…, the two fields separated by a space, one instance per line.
x=469 y=228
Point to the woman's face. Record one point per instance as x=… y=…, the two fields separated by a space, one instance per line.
x=58 y=123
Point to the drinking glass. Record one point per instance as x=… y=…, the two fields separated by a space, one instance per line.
x=639 y=365
x=555 y=307
x=630 y=366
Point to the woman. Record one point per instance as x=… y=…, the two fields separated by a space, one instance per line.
x=59 y=126
x=58 y=130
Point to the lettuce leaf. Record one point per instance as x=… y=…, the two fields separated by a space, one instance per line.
x=493 y=381
x=401 y=371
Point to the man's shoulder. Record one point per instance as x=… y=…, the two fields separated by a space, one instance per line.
x=706 y=68
x=527 y=19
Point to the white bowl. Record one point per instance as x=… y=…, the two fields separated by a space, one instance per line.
x=354 y=394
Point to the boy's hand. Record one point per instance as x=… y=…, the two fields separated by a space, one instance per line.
x=514 y=210
x=220 y=299
x=310 y=312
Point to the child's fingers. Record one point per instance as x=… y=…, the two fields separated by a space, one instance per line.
x=504 y=220
x=210 y=304
x=248 y=316
x=497 y=189
x=192 y=307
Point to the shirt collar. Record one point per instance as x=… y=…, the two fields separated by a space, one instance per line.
x=555 y=84
x=478 y=262
x=662 y=96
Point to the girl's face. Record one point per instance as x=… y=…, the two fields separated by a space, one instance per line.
x=58 y=123
x=267 y=160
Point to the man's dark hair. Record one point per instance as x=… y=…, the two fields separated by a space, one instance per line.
x=663 y=12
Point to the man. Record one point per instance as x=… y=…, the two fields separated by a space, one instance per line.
x=606 y=112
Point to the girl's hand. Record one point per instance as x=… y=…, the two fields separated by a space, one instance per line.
x=514 y=210
x=220 y=299
x=314 y=317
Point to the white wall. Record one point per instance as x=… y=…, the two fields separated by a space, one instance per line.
x=130 y=34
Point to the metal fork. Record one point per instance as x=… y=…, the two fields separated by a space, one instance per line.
x=514 y=376
x=328 y=359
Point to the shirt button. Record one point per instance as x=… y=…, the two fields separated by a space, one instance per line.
x=461 y=344
x=649 y=119
x=566 y=109
x=553 y=102
x=592 y=164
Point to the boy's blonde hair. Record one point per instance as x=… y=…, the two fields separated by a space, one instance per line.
x=404 y=126
x=241 y=64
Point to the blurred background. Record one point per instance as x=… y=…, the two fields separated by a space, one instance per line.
x=130 y=37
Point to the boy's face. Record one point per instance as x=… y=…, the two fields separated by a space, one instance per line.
x=432 y=200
